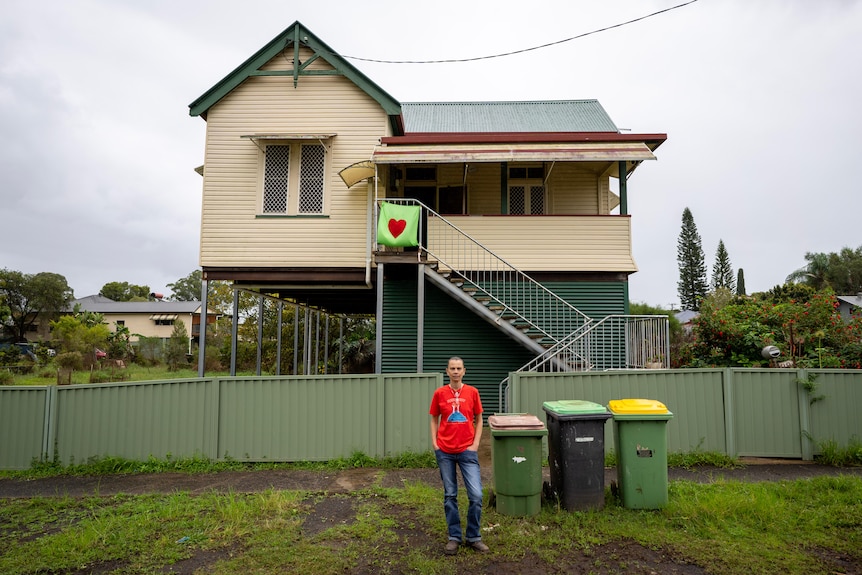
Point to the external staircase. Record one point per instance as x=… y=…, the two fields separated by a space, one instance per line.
x=563 y=337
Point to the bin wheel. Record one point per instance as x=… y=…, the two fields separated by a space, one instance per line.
x=615 y=490
x=548 y=493
x=492 y=499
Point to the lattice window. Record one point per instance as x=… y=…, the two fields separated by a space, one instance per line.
x=517 y=200
x=537 y=199
x=276 y=180
x=526 y=189
x=311 y=178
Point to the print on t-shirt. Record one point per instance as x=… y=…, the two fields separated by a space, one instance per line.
x=456 y=416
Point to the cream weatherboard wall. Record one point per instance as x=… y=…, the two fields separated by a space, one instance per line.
x=233 y=233
x=547 y=243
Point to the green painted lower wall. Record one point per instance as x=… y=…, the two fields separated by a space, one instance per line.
x=451 y=329
x=596 y=299
x=399 y=325
x=488 y=354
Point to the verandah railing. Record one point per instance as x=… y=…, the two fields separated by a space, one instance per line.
x=508 y=291
x=614 y=342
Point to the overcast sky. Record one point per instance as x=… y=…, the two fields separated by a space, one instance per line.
x=760 y=100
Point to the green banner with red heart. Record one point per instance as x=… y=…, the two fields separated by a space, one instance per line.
x=398 y=225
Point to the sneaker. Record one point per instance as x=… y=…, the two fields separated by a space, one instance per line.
x=451 y=547
x=478 y=546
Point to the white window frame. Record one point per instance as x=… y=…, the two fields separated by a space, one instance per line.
x=295 y=172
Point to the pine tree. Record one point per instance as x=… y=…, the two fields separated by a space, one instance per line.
x=692 y=286
x=740 y=282
x=722 y=271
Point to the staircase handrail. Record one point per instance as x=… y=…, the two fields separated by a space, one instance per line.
x=564 y=317
x=653 y=349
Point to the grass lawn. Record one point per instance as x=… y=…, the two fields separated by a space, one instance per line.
x=799 y=527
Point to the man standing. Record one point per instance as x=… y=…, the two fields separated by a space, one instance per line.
x=456 y=428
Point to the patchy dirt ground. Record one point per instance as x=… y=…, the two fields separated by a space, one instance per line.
x=344 y=495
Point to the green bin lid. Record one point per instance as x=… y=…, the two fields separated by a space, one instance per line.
x=573 y=407
x=637 y=407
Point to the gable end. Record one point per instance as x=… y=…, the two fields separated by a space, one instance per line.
x=294 y=36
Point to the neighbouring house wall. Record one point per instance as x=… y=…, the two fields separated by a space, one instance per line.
x=142 y=325
x=232 y=234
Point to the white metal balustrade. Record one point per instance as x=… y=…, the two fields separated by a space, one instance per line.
x=614 y=342
x=510 y=293
x=573 y=340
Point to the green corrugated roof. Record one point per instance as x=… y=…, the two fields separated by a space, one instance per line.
x=535 y=116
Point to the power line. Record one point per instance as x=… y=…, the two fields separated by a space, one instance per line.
x=459 y=60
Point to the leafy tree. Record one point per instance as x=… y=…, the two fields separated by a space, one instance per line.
x=31 y=296
x=79 y=334
x=219 y=293
x=740 y=282
x=692 y=286
x=844 y=271
x=840 y=271
x=814 y=273
x=187 y=288
x=124 y=291
x=804 y=324
x=120 y=343
x=177 y=347
x=722 y=271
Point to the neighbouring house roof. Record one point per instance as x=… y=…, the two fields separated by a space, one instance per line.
x=525 y=116
x=854 y=300
x=291 y=39
x=685 y=316
x=99 y=304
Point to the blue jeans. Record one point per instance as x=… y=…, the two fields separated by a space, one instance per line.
x=468 y=461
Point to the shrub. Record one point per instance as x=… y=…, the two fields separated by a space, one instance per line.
x=71 y=360
x=809 y=331
x=6 y=377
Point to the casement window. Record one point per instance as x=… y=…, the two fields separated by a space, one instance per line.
x=421 y=183
x=526 y=186
x=294 y=179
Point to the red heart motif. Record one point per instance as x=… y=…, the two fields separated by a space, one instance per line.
x=396 y=227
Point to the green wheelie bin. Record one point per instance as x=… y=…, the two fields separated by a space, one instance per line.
x=516 y=461
x=640 y=433
x=576 y=452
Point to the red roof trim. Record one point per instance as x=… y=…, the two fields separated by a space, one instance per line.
x=520 y=137
x=507 y=150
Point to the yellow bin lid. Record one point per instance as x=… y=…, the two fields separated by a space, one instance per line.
x=637 y=407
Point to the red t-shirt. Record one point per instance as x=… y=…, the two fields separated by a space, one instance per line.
x=456 y=411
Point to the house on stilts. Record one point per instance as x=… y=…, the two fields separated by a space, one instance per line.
x=524 y=238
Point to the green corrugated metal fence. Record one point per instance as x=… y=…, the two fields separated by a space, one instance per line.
x=741 y=412
x=290 y=418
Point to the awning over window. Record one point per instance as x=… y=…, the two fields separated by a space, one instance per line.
x=355 y=173
x=163 y=316
x=565 y=152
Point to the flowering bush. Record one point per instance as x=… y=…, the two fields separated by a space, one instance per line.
x=805 y=326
